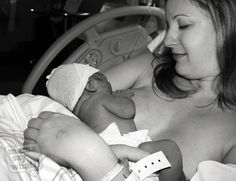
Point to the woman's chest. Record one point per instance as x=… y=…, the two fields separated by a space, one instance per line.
x=154 y=113
x=166 y=117
x=179 y=120
x=201 y=133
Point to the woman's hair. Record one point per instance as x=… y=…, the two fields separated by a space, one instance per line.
x=223 y=16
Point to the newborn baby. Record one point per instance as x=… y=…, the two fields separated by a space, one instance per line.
x=88 y=94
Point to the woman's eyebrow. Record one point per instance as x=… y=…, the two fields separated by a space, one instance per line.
x=177 y=15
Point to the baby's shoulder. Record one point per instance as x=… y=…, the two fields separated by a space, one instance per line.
x=100 y=96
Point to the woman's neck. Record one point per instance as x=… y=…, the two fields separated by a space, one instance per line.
x=204 y=89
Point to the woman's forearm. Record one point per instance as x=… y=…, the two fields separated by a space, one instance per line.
x=94 y=169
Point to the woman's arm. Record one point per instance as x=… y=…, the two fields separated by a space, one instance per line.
x=124 y=75
x=230 y=157
x=71 y=143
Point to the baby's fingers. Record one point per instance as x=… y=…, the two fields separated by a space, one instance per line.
x=31 y=145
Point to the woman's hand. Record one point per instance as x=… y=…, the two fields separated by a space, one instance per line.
x=71 y=143
x=124 y=152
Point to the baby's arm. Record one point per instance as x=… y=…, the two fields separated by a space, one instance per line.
x=102 y=109
x=121 y=106
x=172 y=153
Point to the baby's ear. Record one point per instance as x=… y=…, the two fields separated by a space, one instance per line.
x=91 y=87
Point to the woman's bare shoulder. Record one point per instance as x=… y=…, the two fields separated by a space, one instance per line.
x=224 y=118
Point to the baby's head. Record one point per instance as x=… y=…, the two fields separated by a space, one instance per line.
x=67 y=83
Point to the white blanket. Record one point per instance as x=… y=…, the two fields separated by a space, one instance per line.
x=14 y=116
x=215 y=171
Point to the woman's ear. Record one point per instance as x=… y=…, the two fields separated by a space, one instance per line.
x=91 y=87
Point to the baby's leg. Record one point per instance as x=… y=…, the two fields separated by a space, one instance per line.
x=126 y=126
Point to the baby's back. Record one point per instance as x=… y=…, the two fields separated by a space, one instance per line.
x=98 y=113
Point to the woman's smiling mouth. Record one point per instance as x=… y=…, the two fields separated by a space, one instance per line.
x=178 y=56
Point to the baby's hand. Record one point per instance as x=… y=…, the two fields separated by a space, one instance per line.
x=124 y=93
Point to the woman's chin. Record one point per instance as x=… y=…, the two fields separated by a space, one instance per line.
x=182 y=70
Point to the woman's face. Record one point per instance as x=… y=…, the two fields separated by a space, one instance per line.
x=192 y=38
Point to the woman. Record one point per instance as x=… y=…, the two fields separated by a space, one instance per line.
x=195 y=88
x=192 y=96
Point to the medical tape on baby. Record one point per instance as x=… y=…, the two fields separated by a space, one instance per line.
x=113 y=172
x=148 y=165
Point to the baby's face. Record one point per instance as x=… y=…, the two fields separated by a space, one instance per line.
x=100 y=82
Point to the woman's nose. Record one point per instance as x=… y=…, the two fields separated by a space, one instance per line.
x=171 y=39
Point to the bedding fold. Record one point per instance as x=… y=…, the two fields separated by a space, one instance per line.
x=15 y=112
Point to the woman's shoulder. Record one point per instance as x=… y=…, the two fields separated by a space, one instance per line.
x=224 y=123
x=226 y=117
x=214 y=124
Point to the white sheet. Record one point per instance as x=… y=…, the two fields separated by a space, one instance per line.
x=215 y=171
x=14 y=116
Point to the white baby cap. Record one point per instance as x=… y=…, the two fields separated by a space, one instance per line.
x=67 y=82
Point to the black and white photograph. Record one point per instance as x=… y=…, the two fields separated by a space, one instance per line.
x=117 y=90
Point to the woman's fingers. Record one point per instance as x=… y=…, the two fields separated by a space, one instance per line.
x=30 y=145
x=33 y=155
x=29 y=142
x=31 y=134
x=47 y=114
x=35 y=123
x=127 y=152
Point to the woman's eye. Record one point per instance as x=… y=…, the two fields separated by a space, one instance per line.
x=182 y=27
x=97 y=77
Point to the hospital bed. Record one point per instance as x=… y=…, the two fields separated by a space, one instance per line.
x=104 y=46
